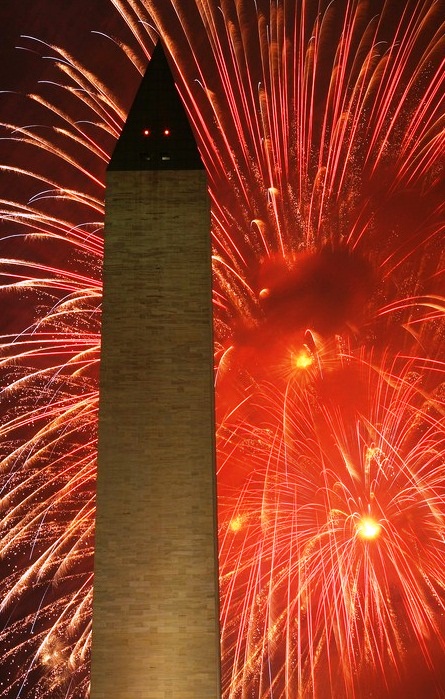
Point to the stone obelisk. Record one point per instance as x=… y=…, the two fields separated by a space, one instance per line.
x=155 y=610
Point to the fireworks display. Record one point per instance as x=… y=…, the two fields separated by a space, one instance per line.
x=321 y=128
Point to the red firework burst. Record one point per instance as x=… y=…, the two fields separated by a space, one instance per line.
x=321 y=128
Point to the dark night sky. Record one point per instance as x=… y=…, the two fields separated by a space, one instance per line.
x=65 y=25
x=71 y=26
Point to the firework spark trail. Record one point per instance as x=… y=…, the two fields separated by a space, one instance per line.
x=294 y=541
x=322 y=131
x=49 y=358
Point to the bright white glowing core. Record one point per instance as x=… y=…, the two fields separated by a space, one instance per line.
x=368 y=528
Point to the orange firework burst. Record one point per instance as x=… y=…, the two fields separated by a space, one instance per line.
x=333 y=578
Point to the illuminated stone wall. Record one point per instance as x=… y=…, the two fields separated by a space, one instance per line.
x=155 y=631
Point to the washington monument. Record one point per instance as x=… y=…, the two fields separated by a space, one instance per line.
x=155 y=612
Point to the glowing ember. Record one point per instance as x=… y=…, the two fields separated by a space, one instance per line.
x=303 y=360
x=236 y=523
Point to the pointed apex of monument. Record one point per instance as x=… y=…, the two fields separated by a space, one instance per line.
x=157 y=134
